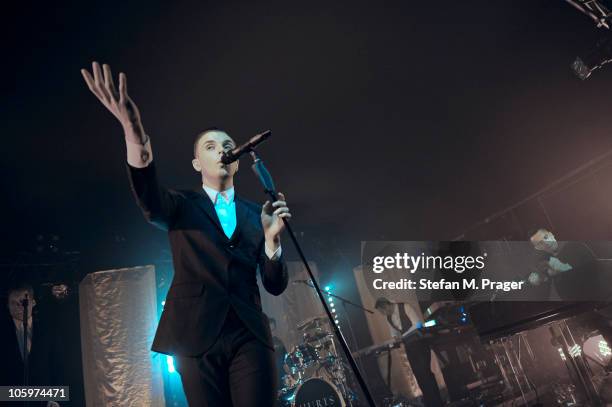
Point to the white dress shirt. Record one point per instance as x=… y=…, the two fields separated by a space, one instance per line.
x=19 y=333
x=395 y=317
x=225 y=206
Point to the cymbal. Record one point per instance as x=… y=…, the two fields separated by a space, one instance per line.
x=314 y=322
x=308 y=337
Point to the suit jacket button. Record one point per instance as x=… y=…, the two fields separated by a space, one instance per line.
x=231 y=246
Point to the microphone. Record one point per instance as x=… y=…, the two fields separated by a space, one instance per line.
x=235 y=154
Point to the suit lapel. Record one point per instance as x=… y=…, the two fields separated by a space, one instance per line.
x=241 y=216
x=207 y=206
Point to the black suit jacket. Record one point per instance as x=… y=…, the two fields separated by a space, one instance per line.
x=11 y=371
x=211 y=272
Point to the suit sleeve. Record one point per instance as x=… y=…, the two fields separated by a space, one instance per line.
x=274 y=276
x=159 y=205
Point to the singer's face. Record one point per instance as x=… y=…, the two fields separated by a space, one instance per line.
x=15 y=306
x=208 y=156
x=544 y=240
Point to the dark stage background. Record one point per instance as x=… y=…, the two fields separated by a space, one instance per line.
x=393 y=120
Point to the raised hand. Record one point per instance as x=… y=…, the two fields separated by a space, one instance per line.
x=118 y=103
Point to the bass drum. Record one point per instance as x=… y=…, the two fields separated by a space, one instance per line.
x=317 y=392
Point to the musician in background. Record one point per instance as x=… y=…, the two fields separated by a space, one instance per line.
x=402 y=318
x=572 y=266
x=576 y=275
x=39 y=354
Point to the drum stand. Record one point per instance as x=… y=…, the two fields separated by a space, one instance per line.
x=266 y=180
x=337 y=369
x=575 y=361
x=509 y=363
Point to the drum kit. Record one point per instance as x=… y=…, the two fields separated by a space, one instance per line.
x=316 y=374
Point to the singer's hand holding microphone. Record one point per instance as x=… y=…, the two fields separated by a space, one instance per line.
x=272 y=215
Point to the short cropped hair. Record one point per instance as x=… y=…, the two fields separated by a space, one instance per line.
x=202 y=134
x=531 y=233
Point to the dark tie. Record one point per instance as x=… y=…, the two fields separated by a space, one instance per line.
x=392 y=323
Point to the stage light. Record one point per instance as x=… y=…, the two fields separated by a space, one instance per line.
x=563 y=358
x=597 y=349
x=327 y=288
x=170 y=363
x=464 y=316
x=430 y=323
x=604 y=348
x=575 y=351
x=163 y=303
x=60 y=291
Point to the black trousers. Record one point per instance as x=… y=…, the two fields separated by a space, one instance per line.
x=419 y=356
x=238 y=370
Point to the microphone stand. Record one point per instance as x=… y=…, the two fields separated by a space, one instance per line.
x=350 y=325
x=344 y=300
x=25 y=302
x=266 y=180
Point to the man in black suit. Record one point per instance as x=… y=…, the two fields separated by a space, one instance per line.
x=572 y=266
x=401 y=319
x=212 y=322
x=12 y=334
